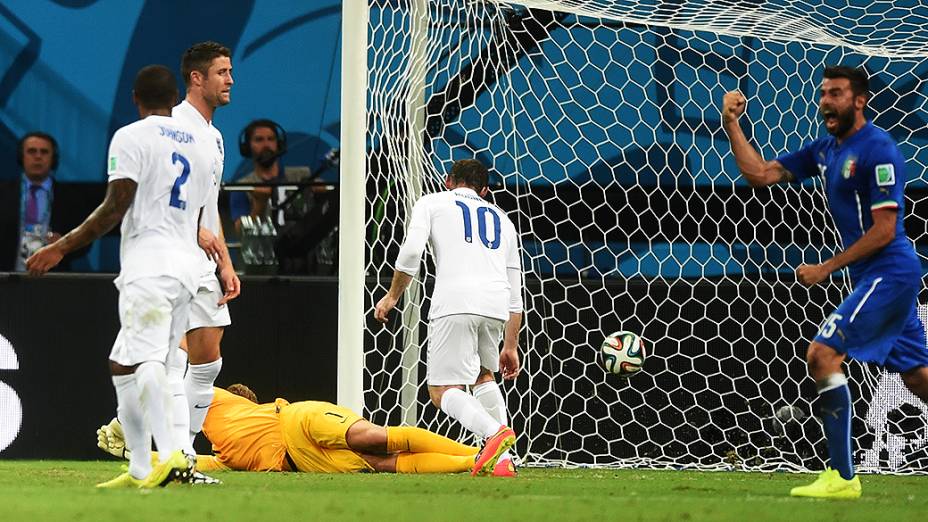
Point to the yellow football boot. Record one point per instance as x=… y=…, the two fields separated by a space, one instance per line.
x=176 y=467
x=829 y=484
x=124 y=480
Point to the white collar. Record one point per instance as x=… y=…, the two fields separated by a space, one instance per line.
x=194 y=113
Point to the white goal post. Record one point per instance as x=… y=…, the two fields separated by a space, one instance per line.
x=599 y=120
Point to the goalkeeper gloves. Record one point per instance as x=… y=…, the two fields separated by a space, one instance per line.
x=111 y=439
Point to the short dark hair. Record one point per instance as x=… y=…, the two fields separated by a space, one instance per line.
x=200 y=56
x=155 y=87
x=21 y=147
x=243 y=391
x=470 y=172
x=261 y=123
x=244 y=138
x=860 y=80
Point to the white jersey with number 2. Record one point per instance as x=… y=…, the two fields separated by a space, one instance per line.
x=478 y=269
x=209 y=139
x=159 y=230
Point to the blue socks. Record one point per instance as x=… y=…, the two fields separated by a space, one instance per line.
x=835 y=411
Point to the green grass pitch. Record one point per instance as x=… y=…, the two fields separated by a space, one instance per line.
x=62 y=490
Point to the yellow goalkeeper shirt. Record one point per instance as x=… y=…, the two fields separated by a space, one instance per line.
x=245 y=436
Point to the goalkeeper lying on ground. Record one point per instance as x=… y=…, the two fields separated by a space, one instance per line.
x=308 y=436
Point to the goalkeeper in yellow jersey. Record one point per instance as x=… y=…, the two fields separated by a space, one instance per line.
x=309 y=436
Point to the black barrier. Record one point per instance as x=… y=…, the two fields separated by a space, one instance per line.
x=727 y=351
x=282 y=343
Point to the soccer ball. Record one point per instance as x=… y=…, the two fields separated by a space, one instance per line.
x=623 y=353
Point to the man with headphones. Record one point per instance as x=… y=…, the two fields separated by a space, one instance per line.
x=264 y=142
x=34 y=208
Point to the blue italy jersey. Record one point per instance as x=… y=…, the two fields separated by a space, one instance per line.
x=864 y=173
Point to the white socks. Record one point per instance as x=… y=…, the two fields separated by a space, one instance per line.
x=129 y=413
x=199 y=387
x=491 y=397
x=180 y=428
x=466 y=409
x=151 y=379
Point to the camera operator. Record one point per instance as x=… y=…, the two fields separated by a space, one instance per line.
x=264 y=142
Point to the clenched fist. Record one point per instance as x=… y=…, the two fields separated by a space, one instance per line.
x=810 y=275
x=733 y=104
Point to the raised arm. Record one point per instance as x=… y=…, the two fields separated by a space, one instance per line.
x=119 y=196
x=757 y=171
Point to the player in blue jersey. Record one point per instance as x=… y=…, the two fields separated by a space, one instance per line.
x=864 y=175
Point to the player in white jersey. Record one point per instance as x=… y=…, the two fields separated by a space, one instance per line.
x=207 y=71
x=158 y=185
x=478 y=294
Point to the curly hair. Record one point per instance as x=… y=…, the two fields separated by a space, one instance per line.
x=243 y=391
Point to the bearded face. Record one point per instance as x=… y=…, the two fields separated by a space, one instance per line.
x=264 y=146
x=838 y=121
x=837 y=106
x=217 y=85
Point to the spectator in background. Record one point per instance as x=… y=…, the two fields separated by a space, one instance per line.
x=34 y=208
x=264 y=142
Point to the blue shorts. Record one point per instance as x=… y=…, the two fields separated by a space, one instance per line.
x=878 y=323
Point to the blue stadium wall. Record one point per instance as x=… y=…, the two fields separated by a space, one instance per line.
x=67 y=68
x=663 y=86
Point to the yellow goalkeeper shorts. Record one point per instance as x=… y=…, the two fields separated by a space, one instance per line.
x=314 y=433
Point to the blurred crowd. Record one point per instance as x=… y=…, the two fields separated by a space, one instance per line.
x=278 y=218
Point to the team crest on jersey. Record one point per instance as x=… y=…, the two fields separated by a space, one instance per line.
x=885 y=175
x=850 y=165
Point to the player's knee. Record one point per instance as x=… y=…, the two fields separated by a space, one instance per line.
x=823 y=360
x=437 y=392
x=203 y=345
x=812 y=359
x=381 y=463
x=816 y=363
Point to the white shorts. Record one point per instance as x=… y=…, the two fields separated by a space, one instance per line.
x=459 y=345
x=205 y=310
x=152 y=316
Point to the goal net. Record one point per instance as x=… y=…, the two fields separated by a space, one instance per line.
x=600 y=123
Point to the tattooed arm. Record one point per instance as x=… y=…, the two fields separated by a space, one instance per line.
x=119 y=195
